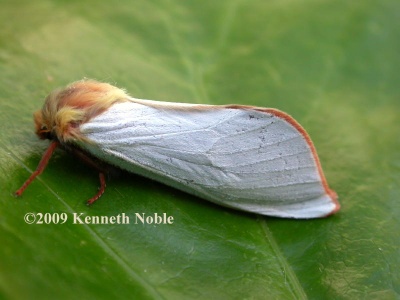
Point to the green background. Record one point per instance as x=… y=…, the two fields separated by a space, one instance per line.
x=333 y=65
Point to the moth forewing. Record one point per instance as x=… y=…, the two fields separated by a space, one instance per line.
x=241 y=157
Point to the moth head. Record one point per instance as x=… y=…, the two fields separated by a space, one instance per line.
x=66 y=109
x=42 y=127
x=57 y=120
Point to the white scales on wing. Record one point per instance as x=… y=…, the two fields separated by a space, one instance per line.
x=242 y=158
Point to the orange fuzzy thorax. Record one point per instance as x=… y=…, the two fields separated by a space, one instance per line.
x=65 y=109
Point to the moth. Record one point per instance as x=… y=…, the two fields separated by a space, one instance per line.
x=249 y=158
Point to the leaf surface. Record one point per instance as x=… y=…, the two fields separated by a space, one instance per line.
x=332 y=65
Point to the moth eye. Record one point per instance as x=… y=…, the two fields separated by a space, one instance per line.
x=43 y=127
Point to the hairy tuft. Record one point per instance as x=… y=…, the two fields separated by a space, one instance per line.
x=66 y=109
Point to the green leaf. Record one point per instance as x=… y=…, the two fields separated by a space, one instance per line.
x=333 y=65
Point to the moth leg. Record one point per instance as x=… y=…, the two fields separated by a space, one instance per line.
x=40 y=168
x=95 y=164
x=101 y=191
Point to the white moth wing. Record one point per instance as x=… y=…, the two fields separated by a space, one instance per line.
x=237 y=157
